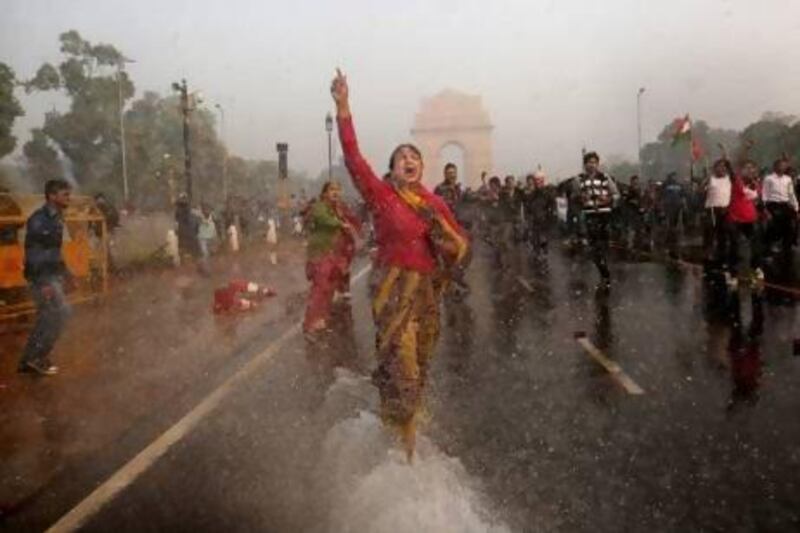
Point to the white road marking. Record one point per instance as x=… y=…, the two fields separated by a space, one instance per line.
x=126 y=475
x=616 y=371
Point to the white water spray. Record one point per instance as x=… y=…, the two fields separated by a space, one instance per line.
x=366 y=485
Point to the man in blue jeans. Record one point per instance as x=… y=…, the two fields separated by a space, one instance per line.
x=46 y=273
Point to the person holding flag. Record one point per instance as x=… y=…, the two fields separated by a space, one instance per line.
x=684 y=132
x=717 y=191
x=718 y=198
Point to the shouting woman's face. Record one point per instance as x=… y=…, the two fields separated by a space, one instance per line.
x=407 y=165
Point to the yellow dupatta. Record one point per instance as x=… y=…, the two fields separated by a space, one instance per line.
x=450 y=245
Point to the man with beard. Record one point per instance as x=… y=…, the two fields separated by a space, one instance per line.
x=598 y=193
x=450 y=189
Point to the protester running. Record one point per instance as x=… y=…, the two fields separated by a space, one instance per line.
x=418 y=239
x=598 y=193
x=718 y=198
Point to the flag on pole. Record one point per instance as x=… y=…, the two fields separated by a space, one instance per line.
x=682 y=130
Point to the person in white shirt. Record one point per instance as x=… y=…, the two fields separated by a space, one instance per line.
x=718 y=198
x=780 y=200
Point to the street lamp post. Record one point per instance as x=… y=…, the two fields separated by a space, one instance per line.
x=639 y=126
x=120 y=64
x=329 y=129
x=187 y=105
x=224 y=151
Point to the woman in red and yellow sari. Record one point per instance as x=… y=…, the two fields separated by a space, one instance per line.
x=419 y=243
x=331 y=242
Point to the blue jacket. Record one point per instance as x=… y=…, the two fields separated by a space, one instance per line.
x=43 y=237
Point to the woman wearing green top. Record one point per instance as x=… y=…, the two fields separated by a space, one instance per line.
x=331 y=233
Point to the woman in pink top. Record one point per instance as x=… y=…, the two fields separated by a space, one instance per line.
x=419 y=243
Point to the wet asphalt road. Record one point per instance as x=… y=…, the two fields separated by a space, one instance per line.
x=546 y=438
x=710 y=445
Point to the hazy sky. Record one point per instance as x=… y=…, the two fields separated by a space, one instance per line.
x=554 y=75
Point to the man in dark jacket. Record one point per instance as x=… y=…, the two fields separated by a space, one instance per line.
x=673 y=201
x=511 y=205
x=46 y=274
x=449 y=189
x=538 y=202
x=188 y=224
x=633 y=211
x=111 y=216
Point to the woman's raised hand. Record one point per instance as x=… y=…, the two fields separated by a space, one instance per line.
x=341 y=93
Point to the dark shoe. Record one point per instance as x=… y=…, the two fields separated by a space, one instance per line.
x=41 y=368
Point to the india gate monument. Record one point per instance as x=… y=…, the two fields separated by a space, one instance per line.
x=454 y=118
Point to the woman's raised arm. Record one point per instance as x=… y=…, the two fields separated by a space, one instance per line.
x=365 y=180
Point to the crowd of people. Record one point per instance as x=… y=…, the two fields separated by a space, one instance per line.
x=734 y=206
x=422 y=241
x=202 y=230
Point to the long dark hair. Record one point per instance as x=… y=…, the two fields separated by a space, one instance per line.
x=326 y=187
x=725 y=163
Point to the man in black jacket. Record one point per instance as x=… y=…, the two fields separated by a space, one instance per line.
x=46 y=274
x=538 y=202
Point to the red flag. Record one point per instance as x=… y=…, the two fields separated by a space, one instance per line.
x=682 y=129
x=697 y=149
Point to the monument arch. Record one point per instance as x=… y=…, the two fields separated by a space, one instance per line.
x=454 y=118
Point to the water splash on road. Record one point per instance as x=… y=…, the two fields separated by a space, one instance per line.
x=367 y=485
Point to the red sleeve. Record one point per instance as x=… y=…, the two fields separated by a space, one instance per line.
x=371 y=187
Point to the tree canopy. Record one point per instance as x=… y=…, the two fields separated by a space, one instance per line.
x=87 y=136
x=10 y=109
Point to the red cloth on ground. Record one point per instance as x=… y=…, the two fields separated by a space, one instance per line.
x=741 y=208
x=400 y=232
